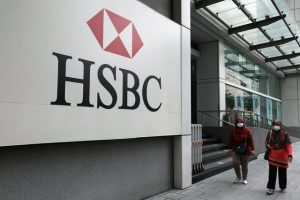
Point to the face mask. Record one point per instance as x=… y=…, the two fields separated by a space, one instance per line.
x=276 y=128
x=240 y=125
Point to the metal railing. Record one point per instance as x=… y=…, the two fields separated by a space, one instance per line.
x=227 y=118
x=197 y=165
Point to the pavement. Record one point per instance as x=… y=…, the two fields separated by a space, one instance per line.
x=221 y=187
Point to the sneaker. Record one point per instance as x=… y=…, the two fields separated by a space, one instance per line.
x=282 y=190
x=237 y=180
x=245 y=182
x=270 y=191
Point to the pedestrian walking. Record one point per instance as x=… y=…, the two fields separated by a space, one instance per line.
x=241 y=147
x=280 y=156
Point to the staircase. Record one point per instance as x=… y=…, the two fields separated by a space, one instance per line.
x=215 y=158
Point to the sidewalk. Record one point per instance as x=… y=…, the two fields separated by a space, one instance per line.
x=221 y=187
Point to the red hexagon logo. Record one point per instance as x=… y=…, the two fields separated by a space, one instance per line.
x=115 y=34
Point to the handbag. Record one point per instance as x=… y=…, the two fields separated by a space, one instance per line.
x=241 y=148
x=267 y=152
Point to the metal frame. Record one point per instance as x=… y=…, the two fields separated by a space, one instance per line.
x=288 y=67
x=289 y=56
x=204 y=3
x=258 y=25
x=255 y=24
x=272 y=43
x=262 y=30
x=227 y=26
x=276 y=7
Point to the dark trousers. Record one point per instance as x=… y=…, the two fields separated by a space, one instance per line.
x=240 y=160
x=273 y=175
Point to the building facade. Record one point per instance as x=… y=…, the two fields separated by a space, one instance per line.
x=91 y=99
x=97 y=98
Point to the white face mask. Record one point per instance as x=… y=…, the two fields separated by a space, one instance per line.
x=276 y=128
x=240 y=125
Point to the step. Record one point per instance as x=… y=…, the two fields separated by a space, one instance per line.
x=212 y=165
x=206 y=135
x=211 y=141
x=214 y=156
x=213 y=147
x=214 y=168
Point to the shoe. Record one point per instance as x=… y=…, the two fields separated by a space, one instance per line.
x=282 y=190
x=237 y=180
x=270 y=191
x=245 y=182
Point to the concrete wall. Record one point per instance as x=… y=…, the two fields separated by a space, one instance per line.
x=164 y=7
x=208 y=84
x=182 y=144
x=259 y=136
x=179 y=12
x=122 y=169
x=290 y=101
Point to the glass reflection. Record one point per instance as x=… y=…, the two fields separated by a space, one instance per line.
x=241 y=71
x=237 y=99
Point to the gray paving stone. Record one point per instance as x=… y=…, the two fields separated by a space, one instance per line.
x=173 y=196
x=221 y=187
x=156 y=198
x=193 y=193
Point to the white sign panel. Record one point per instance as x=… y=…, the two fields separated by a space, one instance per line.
x=78 y=70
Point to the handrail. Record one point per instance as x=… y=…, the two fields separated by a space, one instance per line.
x=239 y=111
x=219 y=119
x=251 y=119
x=230 y=111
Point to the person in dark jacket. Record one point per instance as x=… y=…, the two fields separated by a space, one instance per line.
x=241 y=147
x=280 y=156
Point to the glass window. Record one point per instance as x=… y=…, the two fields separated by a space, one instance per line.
x=269 y=110
x=278 y=108
x=248 y=101
x=230 y=92
x=256 y=104
x=237 y=99
x=263 y=106
x=242 y=71
x=274 y=110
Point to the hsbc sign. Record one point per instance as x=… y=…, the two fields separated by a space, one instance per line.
x=93 y=71
x=62 y=79
x=122 y=28
x=116 y=46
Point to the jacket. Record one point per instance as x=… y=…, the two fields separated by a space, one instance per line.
x=281 y=148
x=241 y=135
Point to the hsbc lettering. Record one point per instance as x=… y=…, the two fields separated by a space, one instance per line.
x=62 y=79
